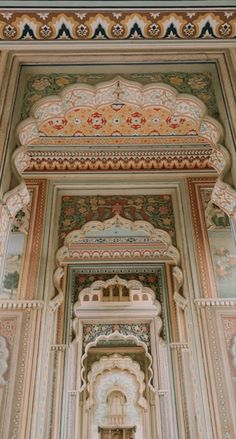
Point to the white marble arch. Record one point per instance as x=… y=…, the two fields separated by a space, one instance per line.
x=117 y=373
x=125 y=383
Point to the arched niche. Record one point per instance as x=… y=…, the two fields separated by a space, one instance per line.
x=120 y=362
x=115 y=336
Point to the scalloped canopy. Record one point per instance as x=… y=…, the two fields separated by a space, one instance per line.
x=118 y=108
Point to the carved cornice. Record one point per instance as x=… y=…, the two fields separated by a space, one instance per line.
x=203 y=303
x=89 y=25
x=82 y=161
x=21 y=304
x=129 y=115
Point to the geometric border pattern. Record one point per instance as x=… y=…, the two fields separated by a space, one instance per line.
x=149 y=160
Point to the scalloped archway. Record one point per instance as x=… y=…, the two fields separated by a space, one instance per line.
x=93 y=242
x=154 y=117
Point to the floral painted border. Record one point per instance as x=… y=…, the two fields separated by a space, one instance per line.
x=82 y=24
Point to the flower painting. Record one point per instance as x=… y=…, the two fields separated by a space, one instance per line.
x=11 y=272
x=223 y=251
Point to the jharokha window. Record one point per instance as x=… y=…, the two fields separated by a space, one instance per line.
x=115 y=293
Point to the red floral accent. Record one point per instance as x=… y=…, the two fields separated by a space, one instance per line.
x=96 y=120
x=175 y=122
x=58 y=124
x=136 y=120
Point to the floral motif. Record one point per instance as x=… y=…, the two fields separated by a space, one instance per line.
x=9 y=31
x=82 y=30
x=98 y=208
x=140 y=330
x=58 y=124
x=154 y=29
x=117 y=30
x=189 y=30
x=197 y=82
x=225 y=29
x=96 y=120
x=175 y=122
x=45 y=31
x=129 y=24
x=136 y=120
x=41 y=83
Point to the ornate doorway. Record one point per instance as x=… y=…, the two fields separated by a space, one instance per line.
x=118 y=365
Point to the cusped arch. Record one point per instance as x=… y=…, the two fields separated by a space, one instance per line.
x=167 y=112
x=155 y=243
x=120 y=362
x=116 y=335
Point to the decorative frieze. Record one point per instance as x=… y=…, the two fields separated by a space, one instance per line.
x=89 y=25
x=165 y=158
